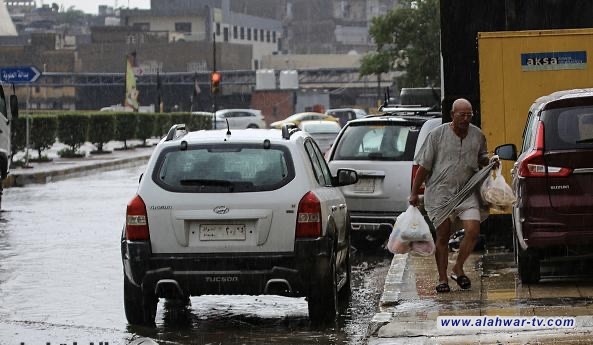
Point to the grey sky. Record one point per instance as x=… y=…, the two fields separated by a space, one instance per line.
x=92 y=6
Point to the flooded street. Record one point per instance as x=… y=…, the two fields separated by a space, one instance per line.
x=61 y=279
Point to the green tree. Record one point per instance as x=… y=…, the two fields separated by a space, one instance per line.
x=408 y=40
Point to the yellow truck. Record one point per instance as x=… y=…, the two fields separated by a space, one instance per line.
x=517 y=67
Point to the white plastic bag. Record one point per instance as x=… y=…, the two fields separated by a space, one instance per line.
x=423 y=248
x=395 y=244
x=496 y=192
x=413 y=226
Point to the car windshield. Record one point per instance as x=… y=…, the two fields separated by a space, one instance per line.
x=321 y=127
x=378 y=141
x=228 y=169
x=568 y=128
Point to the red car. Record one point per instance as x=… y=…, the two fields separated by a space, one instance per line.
x=553 y=182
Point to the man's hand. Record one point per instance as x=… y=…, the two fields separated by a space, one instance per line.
x=496 y=160
x=414 y=199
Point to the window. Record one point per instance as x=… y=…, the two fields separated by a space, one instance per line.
x=261 y=35
x=255 y=34
x=378 y=141
x=218 y=29
x=242 y=33
x=267 y=36
x=224 y=168
x=568 y=128
x=226 y=34
x=320 y=168
x=183 y=27
x=235 y=32
x=249 y=34
x=141 y=26
x=274 y=36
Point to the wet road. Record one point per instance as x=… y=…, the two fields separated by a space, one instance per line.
x=61 y=279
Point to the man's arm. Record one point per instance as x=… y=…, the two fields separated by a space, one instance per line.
x=419 y=179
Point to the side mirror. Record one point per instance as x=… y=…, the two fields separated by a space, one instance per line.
x=3 y=102
x=346 y=177
x=14 y=106
x=507 y=152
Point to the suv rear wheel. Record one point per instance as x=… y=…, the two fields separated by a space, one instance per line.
x=138 y=311
x=528 y=265
x=323 y=294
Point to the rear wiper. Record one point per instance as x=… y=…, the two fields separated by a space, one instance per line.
x=585 y=141
x=205 y=182
x=375 y=155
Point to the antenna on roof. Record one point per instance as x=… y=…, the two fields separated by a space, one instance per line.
x=228 y=128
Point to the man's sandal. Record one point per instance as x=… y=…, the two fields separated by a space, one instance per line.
x=462 y=280
x=443 y=287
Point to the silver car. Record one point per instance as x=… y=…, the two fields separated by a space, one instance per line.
x=381 y=149
x=239 y=118
x=323 y=132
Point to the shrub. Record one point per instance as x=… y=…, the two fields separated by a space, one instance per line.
x=43 y=133
x=101 y=130
x=146 y=125
x=125 y=127
x=73 y=130
x=17 y=135
x=162 y=124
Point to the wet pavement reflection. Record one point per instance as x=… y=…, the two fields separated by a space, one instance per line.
x=61 y=279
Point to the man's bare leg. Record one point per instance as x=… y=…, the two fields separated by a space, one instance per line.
x=466 y=247
x=441 y=253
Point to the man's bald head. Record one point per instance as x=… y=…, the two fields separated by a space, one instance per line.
x=460 y=103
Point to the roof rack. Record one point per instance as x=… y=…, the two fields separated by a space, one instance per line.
x=172 y=134
x=407 y=109
x=289 y=129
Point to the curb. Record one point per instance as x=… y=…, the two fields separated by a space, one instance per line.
x=22 y=177
x=391 y=293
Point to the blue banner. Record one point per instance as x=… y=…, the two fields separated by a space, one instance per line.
x=553 y=61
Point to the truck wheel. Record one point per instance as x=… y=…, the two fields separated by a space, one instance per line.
x=528 y=266
x=139 y=310
x=323 y=295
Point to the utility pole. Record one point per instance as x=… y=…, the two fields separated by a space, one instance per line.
x=214 y=94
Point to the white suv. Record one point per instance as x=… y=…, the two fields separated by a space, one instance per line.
x=239 y=118
x=237 y=212
x=381 y=149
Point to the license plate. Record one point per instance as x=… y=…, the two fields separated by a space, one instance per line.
x=222 y=232
x=365 y=185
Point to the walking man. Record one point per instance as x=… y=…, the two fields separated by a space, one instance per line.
x=451 y=154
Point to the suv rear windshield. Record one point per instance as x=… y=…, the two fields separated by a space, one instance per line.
x=378 y=141
x=224 y=168
x=568 y=128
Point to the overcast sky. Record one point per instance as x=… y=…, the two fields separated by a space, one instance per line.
x=92 y=6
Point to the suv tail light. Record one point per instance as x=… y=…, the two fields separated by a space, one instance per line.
x=308 y=217
x=415 y=168
x=533 y=165
x=136 y=220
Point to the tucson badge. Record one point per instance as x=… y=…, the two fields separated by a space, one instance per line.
x=221 y=210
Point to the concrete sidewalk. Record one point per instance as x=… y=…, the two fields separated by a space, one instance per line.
x=409 y=306
x=61 y=168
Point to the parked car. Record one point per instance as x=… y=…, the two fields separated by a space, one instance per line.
x=298 y=117
x=251 y=212
x=381 y=149
x=346 y=114
x=239 y=118
x=323 y=132
x=553 y=182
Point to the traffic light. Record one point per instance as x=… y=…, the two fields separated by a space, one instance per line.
x=215 y=78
